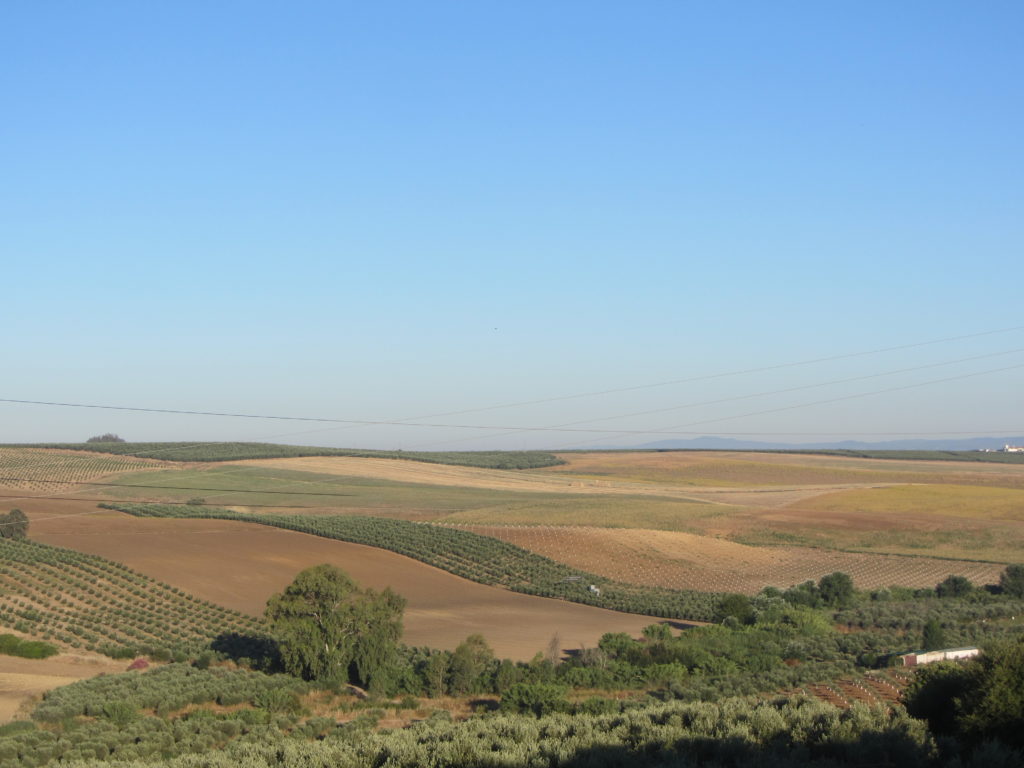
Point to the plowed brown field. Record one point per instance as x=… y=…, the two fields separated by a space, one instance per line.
x=239 y=565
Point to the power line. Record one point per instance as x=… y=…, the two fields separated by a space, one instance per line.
x=493 y=427
x=721 y=375
x=848 y=380
x=409 y=421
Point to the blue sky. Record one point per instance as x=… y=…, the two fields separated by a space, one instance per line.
x=386 y=210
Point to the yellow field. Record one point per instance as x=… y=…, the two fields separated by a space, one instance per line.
x=688 y=561
x=959 y=501
x=619 y=512
x=742 y=469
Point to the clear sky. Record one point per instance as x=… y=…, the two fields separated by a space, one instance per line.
x=380 y=211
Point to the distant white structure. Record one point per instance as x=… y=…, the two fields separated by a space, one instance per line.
x=917 y=658
x=1013 y=449
x=594 y=590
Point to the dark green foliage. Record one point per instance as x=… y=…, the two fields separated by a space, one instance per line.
x=836 y=590
x=108 y=437
x=933 y=694
x=1011 y=581
x=328 y=628
x=14 y=525
x=933 y=638
x=993 y=705
x=479 y=558
x=954 y=586
x=10 y=645
x=468 y=664
x=241 y=451
x=737 y=607
x=803 y=594
x=538 y=699
x=977 y=701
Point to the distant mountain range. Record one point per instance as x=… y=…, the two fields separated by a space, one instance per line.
x=730 y=444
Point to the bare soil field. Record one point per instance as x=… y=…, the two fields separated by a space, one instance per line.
x=688 y=561
x=23 y=681
x=239 y=565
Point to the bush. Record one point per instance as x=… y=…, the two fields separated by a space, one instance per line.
x=538 y=699
x=11 y=645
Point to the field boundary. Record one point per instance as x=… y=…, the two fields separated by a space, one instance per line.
x=483 y=559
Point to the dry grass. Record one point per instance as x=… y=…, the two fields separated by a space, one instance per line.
x=956 y=501
x=688 y=561
x=740 y=469
x=23 y=681
x=611 y=512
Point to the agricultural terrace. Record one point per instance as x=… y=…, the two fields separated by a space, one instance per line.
x=482 y=559
x=40 y=471
x=81 y=601
x=240 y=565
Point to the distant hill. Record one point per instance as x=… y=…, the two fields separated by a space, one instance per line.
x=730 y=444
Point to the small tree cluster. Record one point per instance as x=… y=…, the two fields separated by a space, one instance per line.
x=109 y=437
x=14 y=525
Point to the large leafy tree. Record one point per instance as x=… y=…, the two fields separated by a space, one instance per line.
x=328 y=628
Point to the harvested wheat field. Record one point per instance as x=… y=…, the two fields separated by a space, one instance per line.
x=688 y=561
x=398 y=470
x=749 y=469
x=239 y=565
x=23 y=681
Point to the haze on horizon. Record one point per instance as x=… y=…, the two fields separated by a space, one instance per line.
x=401 y=211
